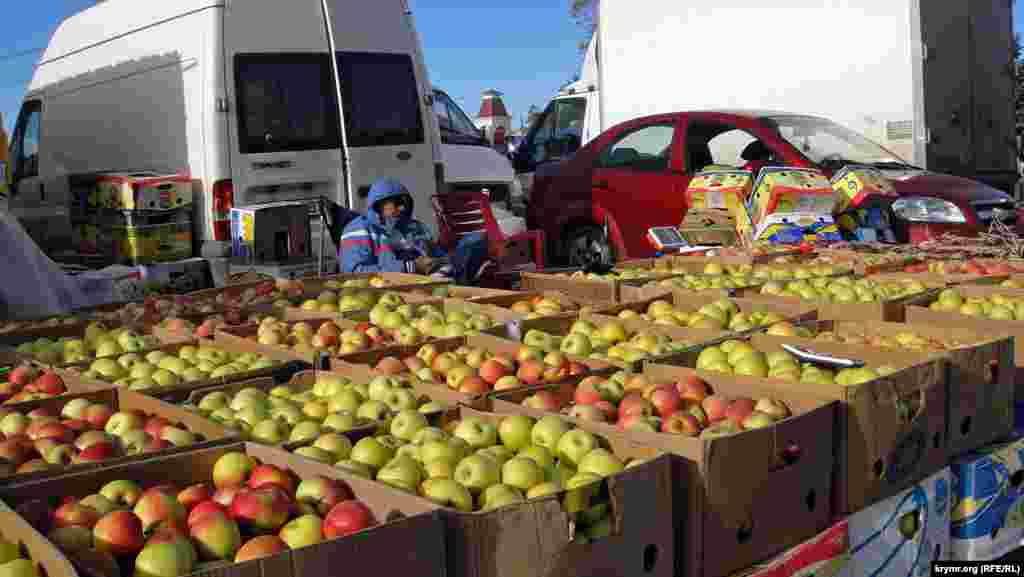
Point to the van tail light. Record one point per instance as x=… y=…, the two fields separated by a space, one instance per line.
x=223 y=200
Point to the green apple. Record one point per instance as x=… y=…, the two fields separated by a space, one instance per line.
x=521 y=473
x=269 y=431
x=341 y=422
x=497 y=496
x=498 y=453
x=305 y=432
x=574 y=445
x=548 y=431
x=477 y=472
x=477 y=432
x=540 y=455
x=401 y=472
x=543 y=490
x=515 y=431
x=600 y=462
x=407 y=423
x=429 y=434
x=448 y=493
x=371 y=452
x=437 y=449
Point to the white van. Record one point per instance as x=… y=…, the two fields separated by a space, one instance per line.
x=243 y=95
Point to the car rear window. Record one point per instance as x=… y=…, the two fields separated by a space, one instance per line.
x=380 y=98
x=286 y=102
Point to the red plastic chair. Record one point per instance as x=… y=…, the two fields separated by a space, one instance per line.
x=466 y=212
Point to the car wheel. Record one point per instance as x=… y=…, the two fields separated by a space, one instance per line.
x=585 y=246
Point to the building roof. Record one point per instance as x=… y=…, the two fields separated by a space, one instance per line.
x=491 y=105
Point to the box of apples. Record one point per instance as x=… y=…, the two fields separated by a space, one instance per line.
x=757 y=460
x=348 y=303
x=980 y=386
x=532 y=305
x=27 y=381
x=590 y=287
x=26 y=553
x=527 y=496
x=474 y=366
x=892 y=417
x=233 y=510
x=77 y=432
x=185 y=365
x=181 y=328
x=707 y=311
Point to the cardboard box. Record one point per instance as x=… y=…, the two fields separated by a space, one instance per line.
x=26 y=330
x=693 y=301
x=920 y=314
x=744 y=500
x=562 y=325
x=893 y=311
x=33 y=545
x=271 y=232
x=569 y=305
x=791 y=190
x=891 y=431
x=988 y=502
x=535 y=538
x=605 y=289
x=76 y=372
x=903 y=534
x=980 y=384
x=392 y=281
x=410 y=525
x=826 y=555
x=141 y=191
x=863 y=261
x=209 y=432
x=136 y=237
x=939 y=280
x=663 y=289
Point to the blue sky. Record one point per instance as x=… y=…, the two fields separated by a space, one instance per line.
x=525 y=49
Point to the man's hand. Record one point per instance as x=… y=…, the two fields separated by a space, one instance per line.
x=424 y=264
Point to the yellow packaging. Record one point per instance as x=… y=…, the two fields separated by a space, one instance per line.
x=854 y=183
x=722 y=190
x=784 y=190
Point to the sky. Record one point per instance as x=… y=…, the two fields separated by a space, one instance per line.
x=526 y=49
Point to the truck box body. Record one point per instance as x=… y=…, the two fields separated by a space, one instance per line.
x=242 y=96
x=930 y=81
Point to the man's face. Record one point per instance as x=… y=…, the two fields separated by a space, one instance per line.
x=390 y=209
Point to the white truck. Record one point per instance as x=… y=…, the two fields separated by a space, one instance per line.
x=930 y=81
x=256 y=100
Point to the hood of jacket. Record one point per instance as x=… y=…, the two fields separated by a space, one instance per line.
x=384 y=189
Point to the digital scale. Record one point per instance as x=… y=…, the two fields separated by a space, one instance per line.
x=666 y=238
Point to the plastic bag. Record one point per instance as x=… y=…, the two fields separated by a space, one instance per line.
x=34 y=285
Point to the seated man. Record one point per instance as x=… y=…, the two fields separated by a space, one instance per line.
x=389 y=239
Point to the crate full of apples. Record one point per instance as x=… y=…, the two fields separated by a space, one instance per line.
x=24 y=552
x=363 y=281
x=484 y=469
x=312 y=407
x=94 y=341
x=470 y=367
x=190 y=327
x=893 y=403
x=849 y=298
x=55 y=436
x=345 y=302
x=588 y=287
x=622 y=342
x=747 y=449
x=181 y=365
x=29 y=382
x=535 y=305
x=205 y=511
x=704 y=311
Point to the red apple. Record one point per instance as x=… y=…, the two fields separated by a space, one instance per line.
x=203 y=509
x=194 y=494
x=492 y=369
x=543 y=401
x=264 y=475
x=681 y=424
x=346 y=518
x=586 y=392
x=611 y=413
x=155 y=425
x=576 y=369
x=225 y=495
x=75 y=514
x=738 y=410
x=666 y=400
x=118 y=533
x=22 y=375
x=714 y=407
x=261 y=510
x=98 y=414
x=634 y=404
x=693 y=389
x=96 y=452
x=474 y=386
x=262 y=546
x=531 y=372
x=159 y=504
x=55 y=431
x=76 y=425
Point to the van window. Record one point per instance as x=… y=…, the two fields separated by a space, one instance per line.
x=381 y=99
x=25 y=152
x=286 y=102
x=455 y=125
x=559 y=131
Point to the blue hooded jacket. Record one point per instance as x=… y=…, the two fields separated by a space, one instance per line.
x=369 y=244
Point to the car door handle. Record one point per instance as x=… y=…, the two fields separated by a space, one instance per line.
x=404 y=155
x=602 y=184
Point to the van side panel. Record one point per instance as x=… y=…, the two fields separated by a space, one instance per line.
x=131 y=102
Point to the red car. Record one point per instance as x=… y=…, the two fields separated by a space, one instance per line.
x=634 y=176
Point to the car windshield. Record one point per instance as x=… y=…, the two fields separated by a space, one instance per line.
x=828 y=144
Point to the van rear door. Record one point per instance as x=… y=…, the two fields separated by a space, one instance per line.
x=387 y=116
x=284 y=124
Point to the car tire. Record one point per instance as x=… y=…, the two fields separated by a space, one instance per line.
x=586 y=245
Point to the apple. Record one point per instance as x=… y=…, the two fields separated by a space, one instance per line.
x=157 y=505
x=692 y=388
x=402 y=472
x=319 y=494
x=497 y=496
x=75 y=408
x=122 y=493
x=371 y=452
x=337 y=445
x=346 y=518
x=216 y=537
x=407 y=423
x=177 y=437
x=14 y=424
x=259 y=547
x=203 y=509
x=261 y=510
x=226 y=495
x=515 y=431
x=477 y=472
x=264 y=475
x=548 y=431
x=757 y=420
x=75 y=514
x=600 y=462
x=194 y=494
x=772 y=407
x=574 y=445
x=588 y=413
x=640 y=423
x=302 y=531
x=587 y=393
x=720 y=428
x=714 y=407
x=448 y=493
x=163 y=560
x=55 y=431
x=739 y=409
x=155 y=425
x=634 y=404
x=118 y=533
x=96 y=452
x=681 y=424
x=478 y=433
x=531 y=372
x=521 y=473
x=122 y=422
x=543 y=401
x=666 y=400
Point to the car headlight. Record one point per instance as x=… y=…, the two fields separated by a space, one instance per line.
x=927 y=209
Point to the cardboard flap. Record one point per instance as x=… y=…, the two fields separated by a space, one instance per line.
x=745 y=462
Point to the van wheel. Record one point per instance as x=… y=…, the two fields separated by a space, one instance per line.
x=586 y=245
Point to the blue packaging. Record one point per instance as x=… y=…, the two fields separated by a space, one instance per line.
x=988 y=509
